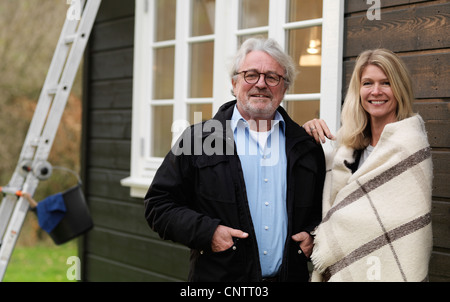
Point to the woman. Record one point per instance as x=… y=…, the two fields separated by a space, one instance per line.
x=377 y=197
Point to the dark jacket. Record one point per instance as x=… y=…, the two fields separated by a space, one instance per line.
x=191 y=194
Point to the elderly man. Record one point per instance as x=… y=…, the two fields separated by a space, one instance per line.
x=245 y=210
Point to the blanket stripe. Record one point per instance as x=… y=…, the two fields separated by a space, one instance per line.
x=380 y=241
x=379 y=180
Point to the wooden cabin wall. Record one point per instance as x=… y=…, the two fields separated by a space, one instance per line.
x=419 y=32
x=121 y=246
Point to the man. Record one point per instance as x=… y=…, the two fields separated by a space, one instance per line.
x=246 y=209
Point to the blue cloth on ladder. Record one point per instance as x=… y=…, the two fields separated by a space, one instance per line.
x=50 y=211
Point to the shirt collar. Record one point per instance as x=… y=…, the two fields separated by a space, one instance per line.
x=238 y=120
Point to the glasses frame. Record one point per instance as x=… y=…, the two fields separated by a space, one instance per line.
x=259 y=77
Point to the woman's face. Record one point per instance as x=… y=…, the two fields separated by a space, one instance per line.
x=377 y=97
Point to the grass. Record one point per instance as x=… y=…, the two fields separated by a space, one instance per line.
x=40 y=263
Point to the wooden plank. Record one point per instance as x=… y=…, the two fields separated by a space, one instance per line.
x=115 y=94
x=439 y=269
x=438 y=110
x=116 y=64
x=421 y=28
x=158 y=256
x=106 y=184
x=110 y=154
x=441 y=170
x=121 y=216
x=441 y=224
x=430 y=74
x=438 y=134
x=112 y=35
x=115 y=9
x=104 y=270
x=353 y=6
x=110 y=124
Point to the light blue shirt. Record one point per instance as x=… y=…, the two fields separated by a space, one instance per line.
x=264 y=167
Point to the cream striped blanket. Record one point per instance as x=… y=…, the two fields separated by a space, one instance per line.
x=377 y=222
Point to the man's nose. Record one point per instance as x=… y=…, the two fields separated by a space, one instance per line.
x=261 y=81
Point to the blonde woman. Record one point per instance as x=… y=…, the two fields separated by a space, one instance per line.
x=376 y=223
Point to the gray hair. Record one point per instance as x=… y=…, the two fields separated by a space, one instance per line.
x=272 y=48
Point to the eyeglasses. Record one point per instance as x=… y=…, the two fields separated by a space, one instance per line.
x=252 y=77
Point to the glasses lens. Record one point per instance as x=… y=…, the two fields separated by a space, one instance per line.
x=251 y=77
x=272 y=79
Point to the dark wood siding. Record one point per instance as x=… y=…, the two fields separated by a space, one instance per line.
x=121 y=246
x=419 y=32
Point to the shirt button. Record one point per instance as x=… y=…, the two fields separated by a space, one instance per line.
x=266 y=227
x=265 y=252
x=266 y=203
x=266 y=180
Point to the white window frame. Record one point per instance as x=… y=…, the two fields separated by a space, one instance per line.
x=143 y=167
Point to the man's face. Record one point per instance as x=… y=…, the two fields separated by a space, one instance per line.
x=258 y=101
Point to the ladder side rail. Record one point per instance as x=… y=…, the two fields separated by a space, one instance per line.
x=67 y=79
x=6 y=209
x=15 y=225
x=46 y=97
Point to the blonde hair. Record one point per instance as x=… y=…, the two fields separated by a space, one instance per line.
x=355 y=130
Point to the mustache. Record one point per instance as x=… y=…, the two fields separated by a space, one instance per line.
x=264 y=91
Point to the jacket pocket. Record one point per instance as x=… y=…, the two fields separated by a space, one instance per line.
x=215 y=182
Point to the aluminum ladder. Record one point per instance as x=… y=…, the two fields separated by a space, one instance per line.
x=32 y=165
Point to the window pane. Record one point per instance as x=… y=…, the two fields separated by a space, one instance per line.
x=201 y=71
x=305 y=48
x=162 y=130
x=204 y=109
x=300 y=10
x=165 y=17
x=163 y=73
x=254 y=13
x=203 y=17
x=302 y=111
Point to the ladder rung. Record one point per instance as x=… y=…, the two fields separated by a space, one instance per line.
x=69 y=39
x=51 y=91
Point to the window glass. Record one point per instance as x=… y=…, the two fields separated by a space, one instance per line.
x=300 y=10
x=161 y=130
x=305 y=49
x=303 y=111
x=254 y=13
x=201 y=70
x=204 y=109
x=203 y=17
x=163 y=73
x=165 y=18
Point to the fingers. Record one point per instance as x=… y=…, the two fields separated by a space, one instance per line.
x=318 y=129
x=306 y=242
x=238 y=233
x=300 y=236
x=223 y=238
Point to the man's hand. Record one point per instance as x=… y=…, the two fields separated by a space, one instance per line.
x=223 y=238
x=306 y=242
